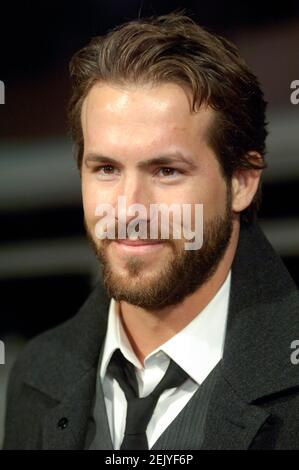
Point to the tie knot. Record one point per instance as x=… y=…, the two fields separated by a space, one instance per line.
x=124 y=372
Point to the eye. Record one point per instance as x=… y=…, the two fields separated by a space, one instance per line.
x=105 y=170
x=110 y=167
x=169 y=172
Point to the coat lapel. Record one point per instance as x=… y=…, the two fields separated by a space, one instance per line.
x=231 y=423
x=75 y=408
x=262 y=322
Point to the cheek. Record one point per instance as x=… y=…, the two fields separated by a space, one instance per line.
x=212 y=193
x=89 y=199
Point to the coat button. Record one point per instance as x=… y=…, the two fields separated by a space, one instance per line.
x=62 y=423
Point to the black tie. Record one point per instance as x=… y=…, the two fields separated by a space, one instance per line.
x=140 y=410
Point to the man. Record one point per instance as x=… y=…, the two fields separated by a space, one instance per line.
x=164 y=112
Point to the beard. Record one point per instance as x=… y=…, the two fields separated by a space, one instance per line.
x=180 y=276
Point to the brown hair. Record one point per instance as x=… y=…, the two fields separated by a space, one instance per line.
x=173 y=48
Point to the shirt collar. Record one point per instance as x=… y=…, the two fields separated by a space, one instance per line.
x=203 y=338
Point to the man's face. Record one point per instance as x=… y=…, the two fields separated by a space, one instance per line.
x=131 y=126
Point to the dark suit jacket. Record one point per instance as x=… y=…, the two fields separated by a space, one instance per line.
x=254 y=405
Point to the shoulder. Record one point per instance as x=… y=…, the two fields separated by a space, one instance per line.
x=36 y=359
x=61 y=348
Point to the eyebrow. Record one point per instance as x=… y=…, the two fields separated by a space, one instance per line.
x=167 y=159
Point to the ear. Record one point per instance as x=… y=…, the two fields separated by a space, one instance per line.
x=244 y=185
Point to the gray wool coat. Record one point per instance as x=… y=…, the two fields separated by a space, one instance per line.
x=254 y=402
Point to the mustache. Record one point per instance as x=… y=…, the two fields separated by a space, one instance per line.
x=140 y=230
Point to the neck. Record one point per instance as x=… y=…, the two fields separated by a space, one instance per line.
x=147 y=330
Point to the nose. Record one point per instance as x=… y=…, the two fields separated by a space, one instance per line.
x=134 y=194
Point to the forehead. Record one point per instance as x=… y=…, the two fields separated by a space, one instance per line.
x=159 y=112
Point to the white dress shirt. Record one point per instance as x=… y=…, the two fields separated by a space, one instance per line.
x=197 y=348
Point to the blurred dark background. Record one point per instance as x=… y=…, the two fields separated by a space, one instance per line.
x=46 y=265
